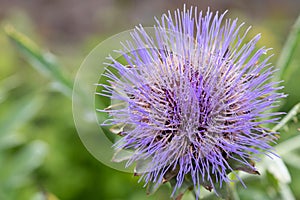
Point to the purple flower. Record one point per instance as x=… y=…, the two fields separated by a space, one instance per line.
x=191 y=103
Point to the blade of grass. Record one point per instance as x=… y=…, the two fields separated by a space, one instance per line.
x=286 y=192
x=44 y=62
x=20 y=113
x=293 y=159
x=288 y=50
x=7 y=84
x=17 y=168
x=287 y=146
x=291 y=114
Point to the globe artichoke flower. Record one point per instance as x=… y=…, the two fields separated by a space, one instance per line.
x=192 y=102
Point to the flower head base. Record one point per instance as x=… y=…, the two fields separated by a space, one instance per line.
x=192 y=100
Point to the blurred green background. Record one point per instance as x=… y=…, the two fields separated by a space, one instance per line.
x=41 y=155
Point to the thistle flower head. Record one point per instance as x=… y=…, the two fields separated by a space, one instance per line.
x=191 y=103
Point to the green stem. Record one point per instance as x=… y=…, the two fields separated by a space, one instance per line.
x=288 y=51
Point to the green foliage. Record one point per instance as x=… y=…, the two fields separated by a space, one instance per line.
x=287 y=53
x=44 y=62
x=19 y=158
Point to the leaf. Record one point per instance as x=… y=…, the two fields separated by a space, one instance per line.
x=44 y=62
x=227 y=191
x=287 y=52
x=22 y=111
x=279 y=170
x=291 y=114
x=224 y=191
x=287 y=146
x=188 y=196
x=7 y=84
x=17 y=168
x=142 y=166
x=152 y=187
x=117 y=129
x=11 y=140
x=245 y=168
x=238 y=165
x=122 y=155
x=286 y=192
x=170 y=174
x=186 y=185
x=292 y=159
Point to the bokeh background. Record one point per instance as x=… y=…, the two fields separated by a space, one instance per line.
x=41 y=155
